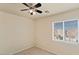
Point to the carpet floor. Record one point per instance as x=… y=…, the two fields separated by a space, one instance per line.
x=34 y=51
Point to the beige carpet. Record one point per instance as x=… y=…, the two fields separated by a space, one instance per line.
x=34 y=51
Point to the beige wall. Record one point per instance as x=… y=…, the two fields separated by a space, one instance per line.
x=16 y=33
x=44 y=34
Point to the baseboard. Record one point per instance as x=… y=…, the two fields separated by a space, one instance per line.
x=47 y=50
x=21 y=50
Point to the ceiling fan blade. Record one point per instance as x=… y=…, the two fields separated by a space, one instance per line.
x=24 y=9
x=37 y=5
x=30 y=4
x=26 y=4
x=39 y=11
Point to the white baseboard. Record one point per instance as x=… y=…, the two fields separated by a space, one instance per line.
x=21 y=50
x=46 y=50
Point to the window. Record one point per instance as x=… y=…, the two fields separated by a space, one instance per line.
x=58 y=31
x=66 y=31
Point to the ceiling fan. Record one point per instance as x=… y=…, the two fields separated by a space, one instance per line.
x=32 y=8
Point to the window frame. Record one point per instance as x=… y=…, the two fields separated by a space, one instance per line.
x=63 y=31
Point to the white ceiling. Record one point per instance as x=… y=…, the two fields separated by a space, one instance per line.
x=53 y=8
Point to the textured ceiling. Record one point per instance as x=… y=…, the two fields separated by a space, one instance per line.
x=53 y=8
